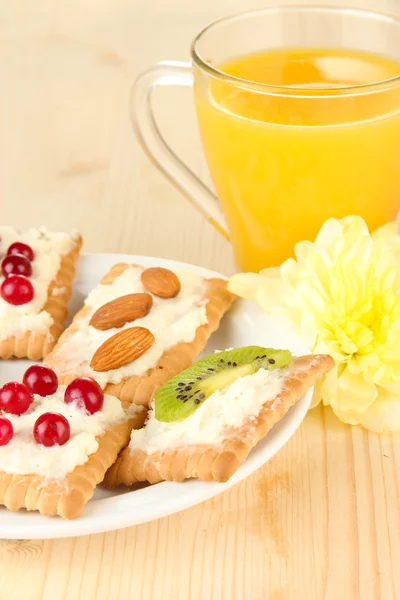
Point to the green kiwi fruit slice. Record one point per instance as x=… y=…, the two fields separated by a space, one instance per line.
x=183 y=394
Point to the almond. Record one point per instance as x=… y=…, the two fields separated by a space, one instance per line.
x=161 y=282
x=122 y=348
x=121 y=310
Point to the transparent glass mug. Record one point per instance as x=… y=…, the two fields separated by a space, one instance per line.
x=278 y=182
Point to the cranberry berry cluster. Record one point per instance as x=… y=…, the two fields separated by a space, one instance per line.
x=50 y=428
x=16 y=267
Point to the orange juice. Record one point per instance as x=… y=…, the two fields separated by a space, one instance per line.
x=285 y=159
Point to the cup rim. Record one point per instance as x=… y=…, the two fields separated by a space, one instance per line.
x=281 y=90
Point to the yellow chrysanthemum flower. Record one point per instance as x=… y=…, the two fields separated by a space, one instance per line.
x=342 y=294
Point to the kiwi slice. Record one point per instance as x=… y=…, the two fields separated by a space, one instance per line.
x=181 y=395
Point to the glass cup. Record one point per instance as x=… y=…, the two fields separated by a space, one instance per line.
x=279 y=175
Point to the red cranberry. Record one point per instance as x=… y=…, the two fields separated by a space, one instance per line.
x=21 y=248
x=15 y=398
x=41 y=380
x=17 y=289
x=86 y=393
x=51 y=429
x=16 y=264
x=6 y=431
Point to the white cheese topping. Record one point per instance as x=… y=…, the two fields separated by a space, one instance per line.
x=171 y=321
x=22 y=455
x=48 y=248
x=209 y=424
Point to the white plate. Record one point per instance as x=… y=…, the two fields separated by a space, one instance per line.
x=244 y=325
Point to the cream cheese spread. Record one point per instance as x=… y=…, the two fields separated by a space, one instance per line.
x=23 y=456
x=170 y=321
x=228 y=408
x=48 y=248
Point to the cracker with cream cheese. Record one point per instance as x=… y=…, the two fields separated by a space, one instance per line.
x=142 y=460
x=30 y=330
x=131 y=354
x=67 y=496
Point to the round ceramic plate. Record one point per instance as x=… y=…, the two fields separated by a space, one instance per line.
x=244 y=325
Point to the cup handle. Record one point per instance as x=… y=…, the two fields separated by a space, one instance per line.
x=151 y=140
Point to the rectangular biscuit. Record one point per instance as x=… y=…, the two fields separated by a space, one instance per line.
x=67 y=498
x=219 y=462
x=130 y=386
x=37 y=341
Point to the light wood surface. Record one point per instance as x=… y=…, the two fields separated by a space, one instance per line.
x=321 y=521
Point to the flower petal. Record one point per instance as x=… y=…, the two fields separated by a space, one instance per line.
x=388 y=231
x=329 y=386
x=316 y=399
x=384 y=414
x=302 y=251
x=271 y=272
x=245 y=285
x=330 y=231
x=353 y=393
x=347 y=417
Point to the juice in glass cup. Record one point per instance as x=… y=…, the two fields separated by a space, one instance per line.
x=319 y=141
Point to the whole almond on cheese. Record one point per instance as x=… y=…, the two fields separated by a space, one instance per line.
x=161 y=282
x=124 y=309
x=122 y=348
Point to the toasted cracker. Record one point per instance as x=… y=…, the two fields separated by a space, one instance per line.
x=67 y=498
x=141 y=389
x=36 y=345
x=219 y=462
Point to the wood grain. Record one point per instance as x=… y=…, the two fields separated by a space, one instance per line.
x=322 y=519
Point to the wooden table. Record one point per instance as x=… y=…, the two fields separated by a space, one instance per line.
x=321 y=521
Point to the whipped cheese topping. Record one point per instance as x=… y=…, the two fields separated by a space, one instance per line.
x=22 y=455
x=48 y=248
x=209 y=424
x=171 y=321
